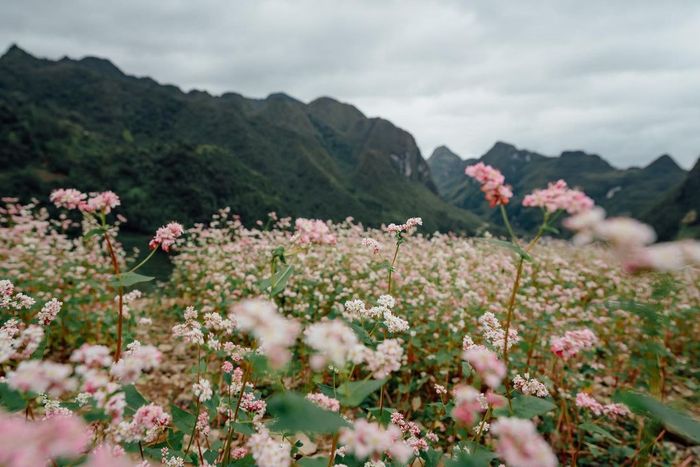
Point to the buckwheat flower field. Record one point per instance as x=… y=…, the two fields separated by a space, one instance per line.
x=311 y=343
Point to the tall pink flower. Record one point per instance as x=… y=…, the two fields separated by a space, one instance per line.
x=492 y=183
x=572 y=342
x=558 y=196
x=313 y=231
x=101 y=202
x=520 y=445
x=165 y=236
x=486 y=363
x=68 y=198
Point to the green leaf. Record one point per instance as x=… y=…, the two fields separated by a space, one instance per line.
x=279 y=282
x=128 y=279
x=595 y=429
x=133 y=397
x=294 y=413
x=526 y=407
x=478 y=458
x=313 y=462
x=509 y=246
x=183 y=421
x=353 y=393
x=93 y=232
x=673 y=419
x=431 y=457
x=383 y=415
x=11 y=399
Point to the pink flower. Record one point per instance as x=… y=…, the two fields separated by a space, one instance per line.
x=585 y=401
x=68 y=198
x=24 y=443
x=486 y=363
x=101 y=202
x=468 y=405
x=372 y=244
x=520 y=445
x=324 y=401
x=49 y=312
x=558 y=196
x=409 y=225
x=367 y=439
x=313 y=231
x=42 y=376
x=151 y=416
x=227 y=367
x=165 y=236
x=572 y=342
x=492 y=183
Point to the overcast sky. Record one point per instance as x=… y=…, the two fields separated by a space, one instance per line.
x=621 y=79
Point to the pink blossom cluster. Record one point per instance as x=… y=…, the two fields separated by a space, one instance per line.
x=386 y=359
x=585 y=401
x=412 y=431
x=334 y=343
x=70 y=198
x=42 y=376
x=633 y=242
x=10 y=298
x=558 y=196
x=519 y=444
x=468 y=403
x=494 y=334
x=49 y=312
x=407 y=226
x=572 y=342
x=165 y=236
x=372 y=245
x=275 y=333
x=492 y=183
x=486 y=363
x=18 y=341
x=251 y=404
x=136 y=360
x=267 y=452
x=191 y=329
x=530 y=386
x=324 y=401
x=24 y=443
x=370 y=440
x=147 y=424
x=313 y=231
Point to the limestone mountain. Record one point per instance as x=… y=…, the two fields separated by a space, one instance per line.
x=182 y=155
x=630 y=191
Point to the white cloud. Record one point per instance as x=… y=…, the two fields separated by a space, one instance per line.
x=618 y=79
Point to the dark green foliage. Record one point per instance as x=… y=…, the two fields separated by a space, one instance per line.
x=181 y=156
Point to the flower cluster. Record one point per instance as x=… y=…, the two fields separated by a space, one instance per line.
x=492 y=183
x=70 y=198
x=530 y=386
x=165 y=236
x=135 y=361
x=267 y=452
x=520 y=445
x=494 y=334
x=407 y=226
x=486 y=363
x=275 y=333
x=370 y=440
x=313 y=231
x=572 y=342
x=585 y=401
x=324 y=401
x=558 y=196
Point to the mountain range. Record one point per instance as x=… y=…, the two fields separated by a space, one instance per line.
x=636 y=192
x=176 y=155
x=180 y=155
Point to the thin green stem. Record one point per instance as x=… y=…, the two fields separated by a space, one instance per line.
x=393 y=262
x=504 y=215
x=153 y=251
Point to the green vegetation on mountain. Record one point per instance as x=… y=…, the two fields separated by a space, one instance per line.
x=676 y=215
x=629 y=192
x=175 y=155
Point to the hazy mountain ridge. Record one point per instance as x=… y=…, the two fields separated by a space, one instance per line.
x=630 y=191
x=171 y=154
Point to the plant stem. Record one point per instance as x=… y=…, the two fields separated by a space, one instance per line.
x=511 y=307
x=229 y=438
x=153 y=251
x=504 y=215
x=331 y=458
x=120 y=318
x=393 y=262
